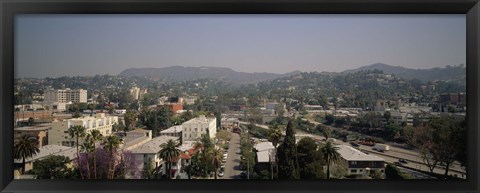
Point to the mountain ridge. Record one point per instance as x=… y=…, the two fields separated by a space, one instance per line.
x=447 y=73
x=182 y=73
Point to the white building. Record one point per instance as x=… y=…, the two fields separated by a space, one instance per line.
x=194 y=128
x=265 y=152
x=137 y=93
x=175 y=131
x=59 y=133
x=66 y=95
x=148 y=152
x=360 y=163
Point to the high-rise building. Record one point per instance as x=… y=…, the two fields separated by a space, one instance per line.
x=66 y=95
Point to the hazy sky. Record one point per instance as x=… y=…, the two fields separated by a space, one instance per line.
x=71 y=45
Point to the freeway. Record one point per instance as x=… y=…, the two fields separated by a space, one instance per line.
x=391 y=156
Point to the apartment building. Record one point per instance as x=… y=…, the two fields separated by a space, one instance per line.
x=360 y=163
x=194 y=128
x=65 y=95
x=148 y=153
x=59 y=133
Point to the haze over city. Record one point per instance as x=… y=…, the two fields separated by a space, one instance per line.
x=61 y=45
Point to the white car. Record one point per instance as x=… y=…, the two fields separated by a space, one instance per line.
x=221 y=173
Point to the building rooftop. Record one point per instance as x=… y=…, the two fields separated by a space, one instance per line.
x=173 y=129
x=153 y=146
x=351 y=154
x=51 y=150
x=41 y=127
x=263 y=156
x=200 y=119
x=264 y=146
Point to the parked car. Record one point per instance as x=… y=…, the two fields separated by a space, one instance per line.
x=221 y=173
x=354 y=144
x=403 y=161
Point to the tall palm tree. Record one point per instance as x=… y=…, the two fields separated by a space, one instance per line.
x=216 y=156
x=25 y=147
x=275 y=135
x=111 y=144
x=170 y=153
x=96 y=136
x=330 y=154
x=77 y=132
x=88 y=148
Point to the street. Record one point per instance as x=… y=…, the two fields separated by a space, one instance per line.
x=232 y=166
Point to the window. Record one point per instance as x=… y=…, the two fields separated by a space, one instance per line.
x=371 y=164
x=353 y=171
x=353 y=162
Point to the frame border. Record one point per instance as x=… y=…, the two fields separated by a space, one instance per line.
x=471 y=8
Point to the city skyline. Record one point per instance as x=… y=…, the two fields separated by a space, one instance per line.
x=74 y=45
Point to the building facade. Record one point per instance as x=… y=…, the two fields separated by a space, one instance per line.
x=59 y=132
x=147 y=153
x=65 y=95
x=194 y=128
x=359 y=163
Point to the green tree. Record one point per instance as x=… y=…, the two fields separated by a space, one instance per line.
x=215 y=157
x=307 y=156
x=287 y=156
x=96 y=136
x=88 y=148
x=224 y=135
x=274 y=136
x=53 y=167
x=130 y=120
x=23 y=148
x=77 y=132
x=31 y=121
x=111 y=144
x=170 y=153
x=330 y=155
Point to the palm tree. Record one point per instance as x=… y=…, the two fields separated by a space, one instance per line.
x=170 y=153
x=330 y=154
x=111 y=144
x=216 y=156
x=96 y=136
x=87 y=147
x=76 y=132
x=275 y=135
x=25 y=147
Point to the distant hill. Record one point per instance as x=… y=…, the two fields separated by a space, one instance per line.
x=447 y=73
x=180 y=73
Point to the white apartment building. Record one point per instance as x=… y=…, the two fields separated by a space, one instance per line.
x=148 y=152
x=65 y=95
x=194 y=128
x=137 y=93
x=58 y=135
x=175 y=131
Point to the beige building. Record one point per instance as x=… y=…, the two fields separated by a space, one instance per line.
x=66 y=95
x=137 y=93
x=194 y=128
x=39 y=133
x=59 y=133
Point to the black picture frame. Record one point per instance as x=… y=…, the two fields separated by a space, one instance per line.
x=9 y=8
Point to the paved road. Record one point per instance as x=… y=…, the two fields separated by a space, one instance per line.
x=232 y=166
